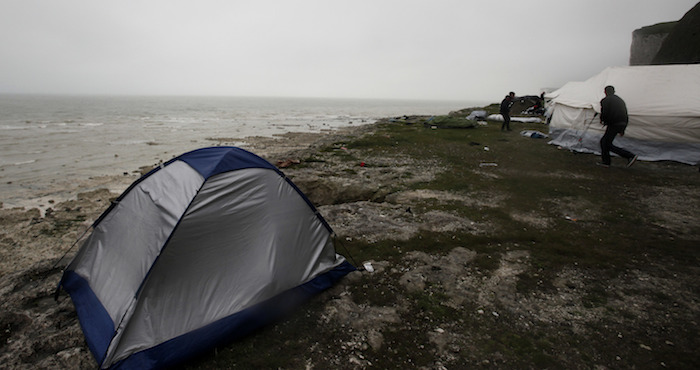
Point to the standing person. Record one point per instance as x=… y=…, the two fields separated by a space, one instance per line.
x=613 y=114
x=505 y=110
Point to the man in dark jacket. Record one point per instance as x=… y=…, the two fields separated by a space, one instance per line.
x=505 y=110
x=613 y=114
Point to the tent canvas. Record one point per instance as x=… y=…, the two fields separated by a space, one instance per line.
x=202 y=250
x=663 y=108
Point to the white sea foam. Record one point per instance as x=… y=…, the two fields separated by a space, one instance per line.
x=24 y=162
x=8 y=127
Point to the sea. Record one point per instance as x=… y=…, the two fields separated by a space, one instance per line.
x=54 y=146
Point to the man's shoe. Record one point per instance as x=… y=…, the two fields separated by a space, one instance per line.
x=601 y=164
x=631 y=161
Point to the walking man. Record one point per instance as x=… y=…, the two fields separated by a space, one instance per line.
x=505 y=110
x=613 y=114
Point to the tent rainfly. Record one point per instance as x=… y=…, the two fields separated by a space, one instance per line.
x=663 y=103
x=200 y=251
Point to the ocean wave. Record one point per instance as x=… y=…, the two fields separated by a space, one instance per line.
x=20 y=163
x=131 y=142
x=8 y=127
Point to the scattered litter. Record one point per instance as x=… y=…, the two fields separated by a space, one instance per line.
x=368 y=267
x=404 y=118
x=499 y=117
x=287 y=162
x=486 y=148
x=488 y=164
x=440 y=330
x=570 y=219
x=533 y=134
x=433 y=127
x=494 y=313
x=477 y=115
x=480 y=311
x=362 y=164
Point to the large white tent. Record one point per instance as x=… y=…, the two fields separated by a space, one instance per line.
x=663 y=103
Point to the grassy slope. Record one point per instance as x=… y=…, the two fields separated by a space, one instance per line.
x=598 y=221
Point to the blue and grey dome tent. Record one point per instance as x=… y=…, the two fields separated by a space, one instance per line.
x=200 y=251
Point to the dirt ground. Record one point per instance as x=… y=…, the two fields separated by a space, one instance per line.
x=361 y=203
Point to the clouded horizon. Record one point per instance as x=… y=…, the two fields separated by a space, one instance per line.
x=410 y=49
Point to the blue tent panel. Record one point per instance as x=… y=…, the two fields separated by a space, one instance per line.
x=215 y=160
x=94 y=319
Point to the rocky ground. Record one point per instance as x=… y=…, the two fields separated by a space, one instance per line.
x=37 y=331
x=463 y=307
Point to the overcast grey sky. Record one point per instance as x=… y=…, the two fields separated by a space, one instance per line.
x=403 y=49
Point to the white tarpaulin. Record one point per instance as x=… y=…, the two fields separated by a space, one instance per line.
x=499 y=117
x=663 y=103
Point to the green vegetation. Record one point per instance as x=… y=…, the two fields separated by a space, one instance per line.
x=566 y=212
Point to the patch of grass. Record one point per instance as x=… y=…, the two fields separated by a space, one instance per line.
x=392 y=250
x=596 y=296
x=450 y=122
x=431 y=303
x=540 y=178
x=313 y=159
x=485 y=262
x=405 y=349
x=369 y=291
x=526 y=347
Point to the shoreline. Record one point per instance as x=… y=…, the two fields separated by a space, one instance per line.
x=52 y=143
x=78 y=203
x=62 y=190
